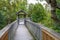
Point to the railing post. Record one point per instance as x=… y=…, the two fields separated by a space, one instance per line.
x=40 y=33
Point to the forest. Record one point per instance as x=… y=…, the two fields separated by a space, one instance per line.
x=36 y=12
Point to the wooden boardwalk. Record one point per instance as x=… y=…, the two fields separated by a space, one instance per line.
x=22 y=33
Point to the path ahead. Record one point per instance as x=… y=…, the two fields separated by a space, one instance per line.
x=22 y=33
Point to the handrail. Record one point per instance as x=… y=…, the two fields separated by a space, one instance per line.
x=2 y=31
x=47 y=33
x=39 y=31
x=6 y=32
x=34 y=29
x=51 y=32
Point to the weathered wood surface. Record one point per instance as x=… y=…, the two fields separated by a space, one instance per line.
x=48 y=34
x=5 y=36
x=7 y=33
x=34 y=29
x=22 y=33
x=4 y=33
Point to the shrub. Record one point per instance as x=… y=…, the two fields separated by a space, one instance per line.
x=38 y=13
x=2 y=21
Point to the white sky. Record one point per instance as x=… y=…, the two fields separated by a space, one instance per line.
x=34 y=1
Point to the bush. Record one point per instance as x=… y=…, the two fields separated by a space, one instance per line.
x=38 y=13
x=2 y=21
x=58 y=13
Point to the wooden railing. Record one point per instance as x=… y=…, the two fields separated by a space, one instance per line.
x=34 y=29
x=41 y=31
x=4 y=36
x=8 y=32
x=49 y=34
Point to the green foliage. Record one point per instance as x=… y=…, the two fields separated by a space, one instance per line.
x=9 y=8
x=58 y=1
x=38 y=13
x=2 y=21
x=58 y=13
x=30 y=9
x=50 y=23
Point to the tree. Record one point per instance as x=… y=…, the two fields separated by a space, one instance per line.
x=58 y=13
x=9 y=8
x=2 y=21
x=30 y=9
x=53 y=4
x=38 y=13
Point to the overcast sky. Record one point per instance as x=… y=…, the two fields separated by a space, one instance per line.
x=34 y=1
